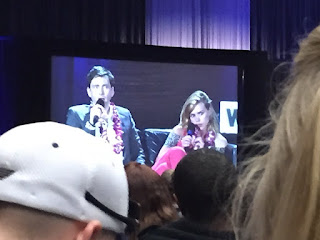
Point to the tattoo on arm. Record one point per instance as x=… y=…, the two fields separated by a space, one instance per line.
x=172 y=140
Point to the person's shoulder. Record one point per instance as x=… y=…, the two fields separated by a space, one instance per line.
x=179 y=130
x=221 y=141
x=122 y=110
x=80 y=108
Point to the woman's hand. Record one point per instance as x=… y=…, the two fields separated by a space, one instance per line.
x=186 y=141
x=198 y=143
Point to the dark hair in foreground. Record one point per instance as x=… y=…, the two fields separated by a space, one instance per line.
x=203 y=182
x=167 y=176
x=152 y=192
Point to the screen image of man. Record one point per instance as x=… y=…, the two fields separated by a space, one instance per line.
x=104 y=119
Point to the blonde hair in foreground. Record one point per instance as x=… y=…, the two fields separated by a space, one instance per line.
x=279 y=194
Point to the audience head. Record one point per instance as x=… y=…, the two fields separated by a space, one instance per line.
x=282 y=186
x=203 y=182
x=199 y=102
x=58 y=182
x=167 y=176
x=148 y=189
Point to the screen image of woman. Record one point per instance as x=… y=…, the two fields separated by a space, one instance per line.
x=198 y=128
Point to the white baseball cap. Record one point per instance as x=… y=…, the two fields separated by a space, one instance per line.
x=63 y=170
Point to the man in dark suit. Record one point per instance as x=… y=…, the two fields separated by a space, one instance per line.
x=113 y=123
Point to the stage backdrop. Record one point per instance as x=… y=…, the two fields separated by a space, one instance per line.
x=213 y=24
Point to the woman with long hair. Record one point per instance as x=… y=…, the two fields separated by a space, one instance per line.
x=279 y=192
x=157 y=205
x=198 y=128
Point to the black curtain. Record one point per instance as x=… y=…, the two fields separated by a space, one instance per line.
x=25 y=64
x=113 y=21
x=7 y=84
x=278 y=25
x=24 y=82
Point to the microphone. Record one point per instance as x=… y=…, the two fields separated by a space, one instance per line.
x=96 y=119
x=190 y=131
x=191 y=128
x=100 y=102
x=97 y=126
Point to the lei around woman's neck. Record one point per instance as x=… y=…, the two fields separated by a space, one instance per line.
x=208 y=138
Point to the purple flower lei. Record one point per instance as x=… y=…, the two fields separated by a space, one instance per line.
x=118 y=147
x=208 y=138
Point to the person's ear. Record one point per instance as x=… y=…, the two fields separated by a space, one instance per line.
x=90 y=231
x=89 y=92
x=112 y=93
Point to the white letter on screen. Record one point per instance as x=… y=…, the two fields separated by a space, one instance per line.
x=228 y=117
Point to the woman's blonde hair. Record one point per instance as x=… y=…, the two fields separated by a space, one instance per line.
x=279 y=194
x=189 y=105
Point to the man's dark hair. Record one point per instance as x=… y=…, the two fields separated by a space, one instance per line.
x=203 y=182
x=99 y=71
